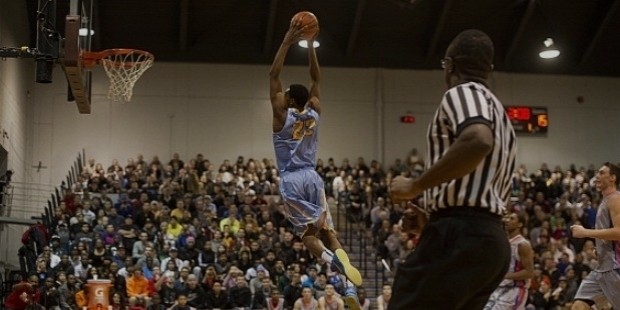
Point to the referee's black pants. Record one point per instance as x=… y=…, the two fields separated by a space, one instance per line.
x=462 y=256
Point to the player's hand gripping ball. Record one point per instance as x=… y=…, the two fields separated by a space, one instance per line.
x=309 y=22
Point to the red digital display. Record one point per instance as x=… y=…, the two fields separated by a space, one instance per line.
x=530 y=120
x=519 y=113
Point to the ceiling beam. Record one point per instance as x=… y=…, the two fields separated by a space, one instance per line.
x=271 y=24
x=359 y=12
x=183 y=24
x=599 y=32
x=441 y=22
x=404 y=4
x=525 y=19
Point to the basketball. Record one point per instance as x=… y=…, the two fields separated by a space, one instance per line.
x=307 y=19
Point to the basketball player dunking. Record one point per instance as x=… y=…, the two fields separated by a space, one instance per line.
x=296 y=116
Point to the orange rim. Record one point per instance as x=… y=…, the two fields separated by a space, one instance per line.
x=91 y=59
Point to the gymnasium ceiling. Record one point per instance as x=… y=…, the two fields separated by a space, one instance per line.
x=396 y=34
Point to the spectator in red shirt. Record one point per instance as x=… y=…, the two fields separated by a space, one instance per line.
x=24 y=294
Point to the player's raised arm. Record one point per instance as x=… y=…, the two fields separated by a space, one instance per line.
x=315 y=76
x=275 y=85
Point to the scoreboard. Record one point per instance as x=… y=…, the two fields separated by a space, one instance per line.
x=528 y=120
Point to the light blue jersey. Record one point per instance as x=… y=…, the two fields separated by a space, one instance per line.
x=301 y=187
x=297 y=143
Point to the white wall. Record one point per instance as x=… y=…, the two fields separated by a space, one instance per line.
x=223 y=111
x=16 y=81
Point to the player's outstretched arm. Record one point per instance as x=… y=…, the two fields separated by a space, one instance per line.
x=315 y=76
x=278 y=102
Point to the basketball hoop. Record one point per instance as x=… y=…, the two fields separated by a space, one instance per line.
x=123 y=67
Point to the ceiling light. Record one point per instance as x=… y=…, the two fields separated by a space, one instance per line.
x=550 y=51
x=304 y=43
x=84 y=32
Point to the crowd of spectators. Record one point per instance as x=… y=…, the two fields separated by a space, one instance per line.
x=182 y=234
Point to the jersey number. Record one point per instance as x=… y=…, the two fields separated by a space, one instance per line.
x=303 y=128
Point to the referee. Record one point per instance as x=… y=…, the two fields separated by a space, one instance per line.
x=463 y=253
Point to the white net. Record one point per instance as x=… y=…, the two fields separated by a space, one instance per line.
x=124 y=68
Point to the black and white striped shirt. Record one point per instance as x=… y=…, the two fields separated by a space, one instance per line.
x=489 y=185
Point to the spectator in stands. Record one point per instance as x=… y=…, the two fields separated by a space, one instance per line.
x=178 y=263
x=217 y=298
x=140 y=245
x=365 y=302
x=117 y=302
x=293 y=290
x=240 y=295
x=50 y=297
x=383 y=300
x=67 y=292
x=306 y=301
x=231 y=220
x=196 y=296
x=24 y=295
x=267 y=243
x=156 y=303
x=138 y=286
x=331 y=300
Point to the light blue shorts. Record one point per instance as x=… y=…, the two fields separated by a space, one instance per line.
x=303 y=193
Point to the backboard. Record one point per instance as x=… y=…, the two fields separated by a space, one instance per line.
x=77 y=40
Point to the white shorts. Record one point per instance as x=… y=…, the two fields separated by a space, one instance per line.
x=507 y=298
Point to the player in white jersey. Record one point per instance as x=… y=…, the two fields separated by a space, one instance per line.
x=512 y=291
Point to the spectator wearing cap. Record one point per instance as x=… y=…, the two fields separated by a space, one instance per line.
x=308 y=279
x=55 y=246
x=256 y=283
x=119 y=253
x=174 y=257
